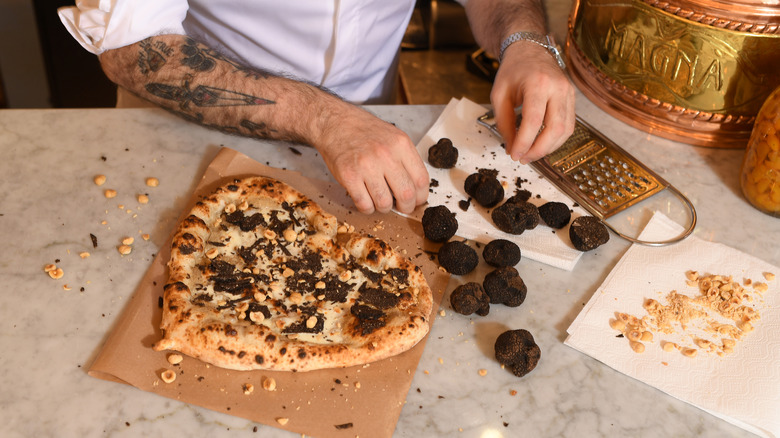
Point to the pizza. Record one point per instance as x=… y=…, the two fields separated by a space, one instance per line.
x=261 y=277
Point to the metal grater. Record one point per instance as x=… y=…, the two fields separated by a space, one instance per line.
x=600 y=176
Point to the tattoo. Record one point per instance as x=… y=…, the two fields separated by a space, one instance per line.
x=151 y=59
x=260 y=129
x=201 y=58
x=203 y=96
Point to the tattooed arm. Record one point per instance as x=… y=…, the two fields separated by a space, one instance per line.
x=372 y=159
x=528 y=76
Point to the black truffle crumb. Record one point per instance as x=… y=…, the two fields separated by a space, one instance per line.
x=517 y=350
x=458 y=258
x=519 y=197
x=501 y=252
x=505 y=286
x=587 y=233
x=555 y=214
x=484 y=187
x=464 y=204
x=443 y=155
x=515 y=218
x=439 y=223
x=469 y=298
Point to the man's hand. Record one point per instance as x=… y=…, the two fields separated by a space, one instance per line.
x=530 y=76
x=375 y=161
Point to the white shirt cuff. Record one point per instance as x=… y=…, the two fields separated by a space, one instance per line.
x=100 y=25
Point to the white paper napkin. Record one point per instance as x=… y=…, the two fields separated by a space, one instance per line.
x=478 y=148
x=742 y=388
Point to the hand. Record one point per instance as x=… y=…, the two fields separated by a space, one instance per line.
x=530 y=77
x=375 y=161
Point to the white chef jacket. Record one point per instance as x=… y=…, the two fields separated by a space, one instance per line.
x=348 y=46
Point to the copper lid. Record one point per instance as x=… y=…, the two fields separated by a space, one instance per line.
x=693 y=71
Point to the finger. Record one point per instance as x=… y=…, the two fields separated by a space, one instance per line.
x=418 y=175
x=533 y=116
x=404 y=191
x=558 y=127
x=504 y=113
x=362 y=199
x=380 y=192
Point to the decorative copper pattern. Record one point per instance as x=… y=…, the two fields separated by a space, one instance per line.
x=675 y=69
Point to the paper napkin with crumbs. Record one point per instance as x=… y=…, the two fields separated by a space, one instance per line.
x=478 y=149
x=721 y=365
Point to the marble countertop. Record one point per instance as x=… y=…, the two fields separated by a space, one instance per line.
x=50 y=206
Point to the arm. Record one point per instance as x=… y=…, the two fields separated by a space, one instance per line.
x=528 y=76
x=372 y=159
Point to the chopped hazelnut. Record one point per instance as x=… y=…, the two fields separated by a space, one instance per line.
x=142 y=199
x=152 y=182
x=83 y=254
x=290 y=235
x=124 y=249
x=248 y=388
x=99 y=180
x=110 y=193
x=168 y=376
x=128 y=241
x=269 y=384
x=175 y=358
x=56 y=273
x=282 y=420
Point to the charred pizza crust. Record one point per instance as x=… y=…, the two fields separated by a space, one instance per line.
x=260 y=277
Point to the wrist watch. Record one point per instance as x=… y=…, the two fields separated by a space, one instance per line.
x=545 y=41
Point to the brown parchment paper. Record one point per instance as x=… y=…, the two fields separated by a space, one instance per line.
x=345 y=402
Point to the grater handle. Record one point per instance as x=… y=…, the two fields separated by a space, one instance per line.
x=679 y=238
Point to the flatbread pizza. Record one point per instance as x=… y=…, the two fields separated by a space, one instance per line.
x=261 y=277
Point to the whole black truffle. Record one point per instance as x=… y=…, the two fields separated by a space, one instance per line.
x=470 y=298
x=501 y=252
x=555 y=214
x=587 y=233
x=484 y=187
x=505 y=286
x=443 y=154
x=515 y=218
x=517 y=350
x=439 y=223
x=458 y=258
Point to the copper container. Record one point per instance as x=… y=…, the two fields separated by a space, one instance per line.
x=693 y=71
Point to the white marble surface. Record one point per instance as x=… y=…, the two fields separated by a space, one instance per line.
x=49 y=206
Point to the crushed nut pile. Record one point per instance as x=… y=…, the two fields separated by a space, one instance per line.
x=712 y=322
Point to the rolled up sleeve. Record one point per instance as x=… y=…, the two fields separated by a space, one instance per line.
x=100 y=25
